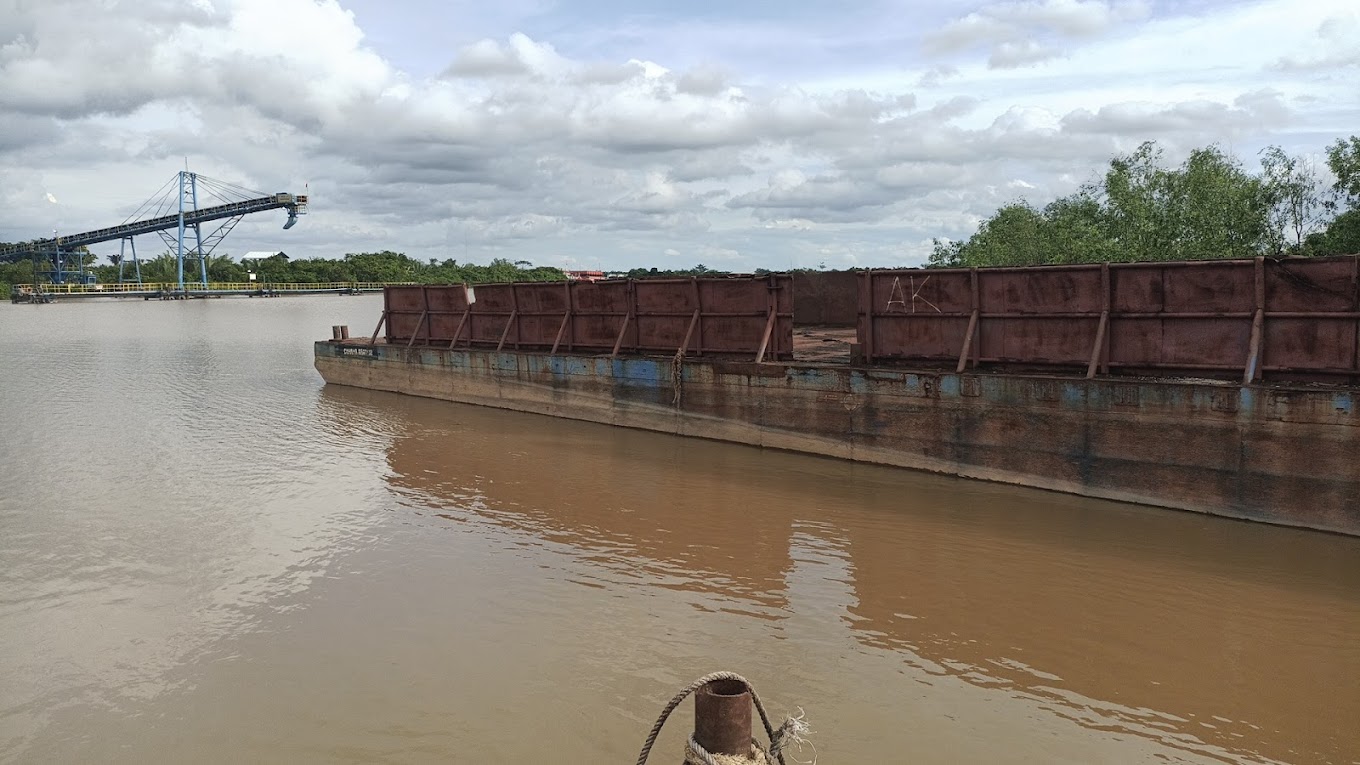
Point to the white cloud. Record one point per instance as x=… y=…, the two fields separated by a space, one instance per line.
x=1338 y=47
x=1026 y=32
x=703 y=81
x=1248 y=111
x=536 y=147
x=520 y=56
x=1014 y=53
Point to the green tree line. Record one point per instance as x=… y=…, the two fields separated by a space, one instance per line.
x=1210 y=206
x=658 y=273
x=355 y=267
x=385 y=266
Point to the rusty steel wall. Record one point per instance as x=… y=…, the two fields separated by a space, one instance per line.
x=826 y=298
x=712 y=316
x=1295 y=319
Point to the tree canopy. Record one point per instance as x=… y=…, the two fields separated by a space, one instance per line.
x=1210 y=206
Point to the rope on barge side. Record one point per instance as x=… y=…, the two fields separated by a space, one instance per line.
x=678 y=377
x=790 y=733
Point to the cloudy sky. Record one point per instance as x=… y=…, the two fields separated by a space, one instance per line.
x=612 y=134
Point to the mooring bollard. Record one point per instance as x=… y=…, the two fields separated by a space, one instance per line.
x=722 y=724
x=344 y=331
x=722 y=718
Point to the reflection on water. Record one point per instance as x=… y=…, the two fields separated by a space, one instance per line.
x=1206 y=635
x=210 y=557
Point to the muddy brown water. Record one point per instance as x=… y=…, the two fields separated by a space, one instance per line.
x=208 y=556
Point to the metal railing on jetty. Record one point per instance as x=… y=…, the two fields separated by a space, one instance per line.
x=28 y=293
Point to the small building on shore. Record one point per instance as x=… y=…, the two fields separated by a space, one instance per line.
x=584 y=276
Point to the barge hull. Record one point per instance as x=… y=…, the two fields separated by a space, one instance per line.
x=1282 y=455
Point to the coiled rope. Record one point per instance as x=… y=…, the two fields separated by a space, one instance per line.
x=791 y=732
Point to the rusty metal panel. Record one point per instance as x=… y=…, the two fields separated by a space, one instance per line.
x=1208 y=287
x=1013 y=291
x=1137 y=289
x=782 y=339
x=921 y=293
x=447 y=298
x=1027 y=340
x=825 y=298
x=919 y=314
x=403 y=306
x=491 y=317
x=1134 y=341
x=494 y=299
x=602 y=298
x=1318 y=344
x=1312 y=284
x=404 y=298
x=1249 y=319
x=1210 y=343
x=1186 y=344
x=537 y=309
x=662 y=313
x=427 y=312
x=483 y=329
x=779 y=294
x=401 y=326
x=736 y=316
x=599 y=312
x=666 y=296
x=540 y=298
x=442 y=326
x=938 y=337
x=595 y=331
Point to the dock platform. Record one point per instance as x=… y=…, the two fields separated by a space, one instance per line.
x=48 y=293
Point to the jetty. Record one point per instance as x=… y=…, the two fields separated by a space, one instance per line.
x=50 y=293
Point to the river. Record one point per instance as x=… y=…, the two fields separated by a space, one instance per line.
x=206 y=555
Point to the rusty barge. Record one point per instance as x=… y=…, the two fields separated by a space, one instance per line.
x=1223 y=387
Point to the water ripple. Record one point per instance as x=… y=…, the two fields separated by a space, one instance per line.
x=209 y=556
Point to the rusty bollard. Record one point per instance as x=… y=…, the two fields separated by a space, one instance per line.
x=722 y=718
x=344 y=331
